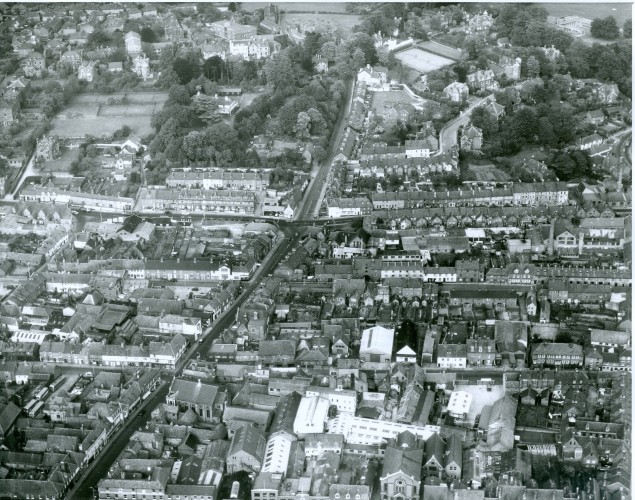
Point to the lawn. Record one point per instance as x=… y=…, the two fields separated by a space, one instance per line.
x=91 y=114
x=61 y=164
x=488 y=173
x=620 y=11
x=421 y=60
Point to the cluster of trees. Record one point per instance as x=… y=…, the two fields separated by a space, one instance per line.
x=53 y=96
x=571 y=164
x=526 y=25
x=108 y=83
x=605 y=29
x=610 y=63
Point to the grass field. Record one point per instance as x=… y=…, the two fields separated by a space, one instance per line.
x=422 y=61
x=488 y=173
x=620 y=11
x=90 y=114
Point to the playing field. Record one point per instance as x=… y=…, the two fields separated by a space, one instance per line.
x=95 y=114
x=620 y=11
x=299 y=6
x=488 y=173
x=421 y=60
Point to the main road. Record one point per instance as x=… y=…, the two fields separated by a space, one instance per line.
x=289 y=237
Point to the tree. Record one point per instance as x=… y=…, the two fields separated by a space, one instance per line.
x=328 y=50
x=302 y=125
x=186 y=69
x=178 y=94
x=358 y=59
x=605 y=29
x=213 y=68
x=628 y=28
x=563 y=165
x=484 y=120
x=523 y=125
x=533 y=67
x=461 y=72
x=167 y=79
x=280 y=74
x=148 y=35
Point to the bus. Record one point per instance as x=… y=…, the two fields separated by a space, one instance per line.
x=56 y=384
x=34 y=407
x=42 y=393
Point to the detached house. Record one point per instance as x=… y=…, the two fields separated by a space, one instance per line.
x=456 y=91
x=608 y=93
x=482 y=80
x=373 y=76
x=85 y=71
x=471 y=138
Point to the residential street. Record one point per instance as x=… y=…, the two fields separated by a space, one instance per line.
x=447 y=135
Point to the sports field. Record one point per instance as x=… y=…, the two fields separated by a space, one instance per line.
x=421 y=60
x=96 y=114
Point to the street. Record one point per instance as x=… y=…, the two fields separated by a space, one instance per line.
x=98 y=469
x=447 y=135
x=28 y=171
x=312 y=199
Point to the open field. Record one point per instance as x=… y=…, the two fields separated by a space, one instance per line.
x=93 y=115
x=620 y=11
x=421 y=60
x=344 y=23
x=488 y=173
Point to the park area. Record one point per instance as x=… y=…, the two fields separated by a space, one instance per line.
x=488 y=173
x=98 y=114
x=421 y=60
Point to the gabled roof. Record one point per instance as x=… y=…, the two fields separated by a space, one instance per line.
x=406 y=461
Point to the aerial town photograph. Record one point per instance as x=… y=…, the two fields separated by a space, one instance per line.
x=315 y=251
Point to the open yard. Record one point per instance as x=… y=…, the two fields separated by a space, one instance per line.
x=480 y=398
x=61 y=164
x=381 y=99
x=421 y=60
x=488 y=173
x=96 y=114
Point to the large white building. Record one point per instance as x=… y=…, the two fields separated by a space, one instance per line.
x=344 y=400
x=312 y=415
x=367 y=431
x=459 y=404
x=376 y=345
x=277 y=454
x=254 y=48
